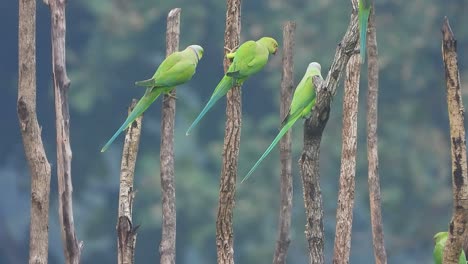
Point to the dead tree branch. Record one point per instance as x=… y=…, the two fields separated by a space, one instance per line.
x=167 y=248
x=313 y=130
x=72 y=248
x=372 y=143
x=344 y=213
x=227 y=188
x=287 y=87
x=459 y=223
x=31 y=133
x=126 y=232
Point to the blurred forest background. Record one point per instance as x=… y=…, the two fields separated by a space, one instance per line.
x=113 y=43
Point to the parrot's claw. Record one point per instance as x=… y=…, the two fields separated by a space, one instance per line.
x=170 y=95
x=229 y=50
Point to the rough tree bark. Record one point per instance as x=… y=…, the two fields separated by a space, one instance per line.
x=31 y=133
x=313 y=130
x=344 y=212
x=167 y=248
x=72 y=248
x=372 y=142
x=287 y=87
x=459 y=223
x=126 y=232
x=227 y=188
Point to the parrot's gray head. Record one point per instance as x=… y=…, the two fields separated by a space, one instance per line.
x=314 y=65
x=198 y=50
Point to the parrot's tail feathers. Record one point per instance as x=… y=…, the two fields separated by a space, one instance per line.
x=363 y=33
x=146 y=83
x=223 y=87
x=283 y=131
x=285 y=120
x=139 y=109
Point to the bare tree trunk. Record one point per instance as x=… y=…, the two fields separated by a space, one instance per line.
x=126 y=232
x=344 y=213
x=72 y=248
x=167 y=248
x=372 y=143
x=31 y=132
x=313 y=130
x=459 y=222
x=287 y=87
x=227 y=188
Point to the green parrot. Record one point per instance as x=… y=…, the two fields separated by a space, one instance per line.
x=248 y=59
x=301 y=105
x=363 y=15
x=440 y=239
x=176 y=69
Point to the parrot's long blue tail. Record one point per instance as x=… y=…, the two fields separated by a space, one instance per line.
x=223 y=87
x=283 y=131
x=140 y=108
x=363 y=19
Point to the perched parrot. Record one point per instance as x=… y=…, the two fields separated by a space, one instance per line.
x=440 y=239
x=301 y=105
x=363 y=15
x=248 y=59
x=176 y=69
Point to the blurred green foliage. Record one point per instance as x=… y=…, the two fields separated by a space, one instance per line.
x=113 y=43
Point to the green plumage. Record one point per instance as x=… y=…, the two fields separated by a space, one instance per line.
x=301 y=105
x=440 y=239
x=176 y=69
x=249 y=59
x=363 y=15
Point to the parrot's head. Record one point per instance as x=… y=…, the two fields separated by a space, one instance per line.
x=198 y=51
x=270 y=44
x=314 y=68
x=314 y=65
x=439 y=236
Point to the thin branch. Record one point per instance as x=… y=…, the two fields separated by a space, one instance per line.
x=287 y=87
x=344 y=212
x=31 y=133
x=72 y=248
x=459 y=223
x=167 y=248
x=372 y=143
x=126 y=232
x=313 y=130
x=227 y=188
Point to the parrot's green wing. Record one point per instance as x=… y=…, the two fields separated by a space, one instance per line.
x=303 y=95
x=176 y=69
x=249 y=59
x=147 y=99
x=363 y=15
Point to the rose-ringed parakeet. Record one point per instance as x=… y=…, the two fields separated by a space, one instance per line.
x=440 y=239
x=363 y=15
x=176 y=69
x=301 y=105
x=248 y=59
